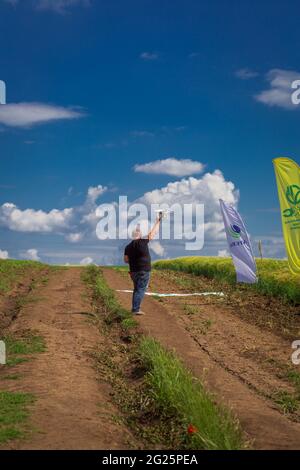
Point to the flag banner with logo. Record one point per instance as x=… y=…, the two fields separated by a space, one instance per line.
x=288 y=183
x=239 y=244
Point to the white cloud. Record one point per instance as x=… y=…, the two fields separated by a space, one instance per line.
x=94 y=192
x=4 y=254
x=171 y=166
x=86 y=261
x=31 y=114
x=66 y=221
x=206 y=190
x=223 y=254
x=88 y=210
x=246 y=74
x=149 y=56
x=280 y=91
x=157 y=248
x=77 y=224
x=31 y=254
x=31 y=220
x=74 y=237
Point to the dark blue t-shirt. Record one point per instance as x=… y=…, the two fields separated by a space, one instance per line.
x=138 y=254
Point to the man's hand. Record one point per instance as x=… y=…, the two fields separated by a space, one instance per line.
x=126 y=259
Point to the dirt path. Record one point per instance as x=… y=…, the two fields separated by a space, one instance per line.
x=247 y=347
x=262 y=423
x=73 y=410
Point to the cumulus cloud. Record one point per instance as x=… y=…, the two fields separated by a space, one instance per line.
x=31 y=254
x=171 y=166
x=31 y=114
x=4 y=254
x=31 y=220
x=86 y=261
x=279 y=92
x=149 y=55
x=94 y=192
x=206 y=190
x=246 y=74
x=62 y=221
x=78 y=224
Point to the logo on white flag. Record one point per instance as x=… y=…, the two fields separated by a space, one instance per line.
x=234 y=231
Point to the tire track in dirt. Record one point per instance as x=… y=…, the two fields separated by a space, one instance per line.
x=258 y=356
x=73 y=410
x=262 y=424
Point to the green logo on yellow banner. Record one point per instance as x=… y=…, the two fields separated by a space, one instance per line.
x=293 y=197
x=293 y=194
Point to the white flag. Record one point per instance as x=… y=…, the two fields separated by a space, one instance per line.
x=239 y=244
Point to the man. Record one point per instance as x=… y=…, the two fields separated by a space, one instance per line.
x=138 y=257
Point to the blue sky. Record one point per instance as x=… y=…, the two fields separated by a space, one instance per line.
x=108 y=85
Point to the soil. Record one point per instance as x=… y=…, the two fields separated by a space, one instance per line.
x=241 y=360
x=73 y=409
x=241 y=363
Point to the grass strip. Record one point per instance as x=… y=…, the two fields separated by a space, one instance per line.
x=105 y=296
x=13 y=414
x=175 y=389
x=24 y=344
x=171 y=386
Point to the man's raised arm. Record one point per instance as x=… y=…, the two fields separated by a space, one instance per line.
x=155 y=227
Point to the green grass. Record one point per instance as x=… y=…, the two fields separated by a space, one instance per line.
x=275 y=278
x=19 y=346
x=11 y=377
x=128 y=324
x=104 y=295
x=294 y=378
x=12 y=271
x=190 y=309
x=13 y=414
x=170 y=385
x=175 y=389
x=27 y=344
x=288 y=403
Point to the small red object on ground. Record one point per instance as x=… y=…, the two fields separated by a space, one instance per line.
x=192 y=429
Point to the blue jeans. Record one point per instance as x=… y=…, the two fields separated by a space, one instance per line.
x=140 y=281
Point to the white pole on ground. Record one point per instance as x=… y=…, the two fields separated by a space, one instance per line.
x=2 y=353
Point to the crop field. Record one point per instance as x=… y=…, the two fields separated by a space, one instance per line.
x=274 y=276
x=12 y=271
x=205 y=372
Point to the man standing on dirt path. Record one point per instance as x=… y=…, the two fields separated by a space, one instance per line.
x=138 y=257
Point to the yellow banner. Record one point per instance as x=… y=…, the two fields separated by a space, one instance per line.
x=288 y=183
